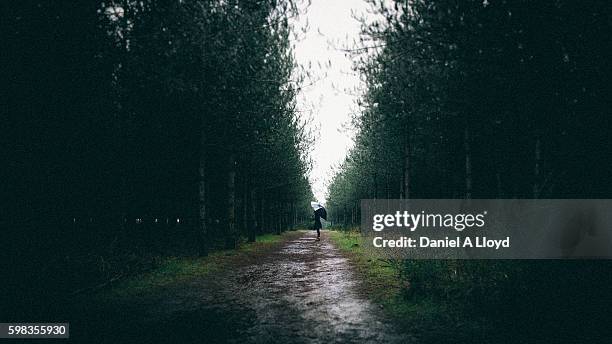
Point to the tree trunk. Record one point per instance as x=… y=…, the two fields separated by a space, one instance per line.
x=499 y=184
x=279 y=219
x=537 y=169
x=261 y=216
x=468 y=163
x=250 y=213
x=387 y=188
x=202 y=234
x=375 y=185
x=295 y=216
x=256 y=220
x=244 y=204
x=231 y=237
x=288 y=216
x=406 y=171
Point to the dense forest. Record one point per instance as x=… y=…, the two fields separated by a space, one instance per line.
x=147 y=127
x=146 y=141
x=486 y=99
x=480 y=99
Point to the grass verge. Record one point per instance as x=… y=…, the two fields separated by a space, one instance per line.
x=482 y=301
x=381 y=277
x=173 y=271
x=382 y=284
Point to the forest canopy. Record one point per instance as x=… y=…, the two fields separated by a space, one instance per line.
x=480 y=99
x=151 y=127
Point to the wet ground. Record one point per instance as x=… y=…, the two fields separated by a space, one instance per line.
x=301 y=292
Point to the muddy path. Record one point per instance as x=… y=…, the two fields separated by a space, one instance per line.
x=304 y=291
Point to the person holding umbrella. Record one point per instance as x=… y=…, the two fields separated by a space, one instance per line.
x=319 y=212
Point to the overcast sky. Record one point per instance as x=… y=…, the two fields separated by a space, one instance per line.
x=331 y=26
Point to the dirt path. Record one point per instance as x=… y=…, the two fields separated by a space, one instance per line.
x=302 y=292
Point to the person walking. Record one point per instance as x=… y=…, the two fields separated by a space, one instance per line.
x=317 y=225
x=319 y=213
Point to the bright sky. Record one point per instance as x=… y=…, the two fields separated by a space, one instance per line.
x=332 y=99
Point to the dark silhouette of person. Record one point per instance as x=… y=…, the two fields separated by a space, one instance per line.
x=317 y=224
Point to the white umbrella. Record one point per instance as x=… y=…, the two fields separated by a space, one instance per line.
x=315 y=205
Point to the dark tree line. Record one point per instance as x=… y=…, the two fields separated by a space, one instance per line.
x=487 y=99
x=481 y=99
x=149 y=126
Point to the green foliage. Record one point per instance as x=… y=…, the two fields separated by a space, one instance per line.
x=492 y=301
x=380 y=277
x=115 y=106
x=484 y=99
x=174 y=271
x=499 y=99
